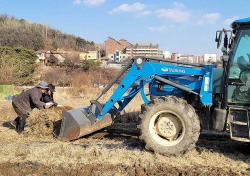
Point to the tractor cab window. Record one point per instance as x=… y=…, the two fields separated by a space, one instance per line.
x=239 y=74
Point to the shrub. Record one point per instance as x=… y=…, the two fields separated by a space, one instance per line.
x=16 y=65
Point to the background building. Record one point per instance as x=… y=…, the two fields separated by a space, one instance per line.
x=118 y=57
x=206 y=58
x=209 y=58
x=175 y=56
x=112 y=45
x=145 y=49
x=166 y=55
x=187 y=58
x=91 y=55
x=118 y=51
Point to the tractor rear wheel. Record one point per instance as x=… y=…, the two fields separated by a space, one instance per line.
x=169 y=126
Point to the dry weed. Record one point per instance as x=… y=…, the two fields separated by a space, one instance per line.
x=42 y=149
x=73 y=156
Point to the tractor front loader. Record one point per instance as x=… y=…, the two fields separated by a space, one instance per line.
x=183 y=98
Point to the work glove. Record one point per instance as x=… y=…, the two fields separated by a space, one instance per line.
x=48 y=105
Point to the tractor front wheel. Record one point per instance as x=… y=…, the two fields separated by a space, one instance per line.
x=169 y=126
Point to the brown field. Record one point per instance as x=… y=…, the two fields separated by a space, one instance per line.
x=113 y=151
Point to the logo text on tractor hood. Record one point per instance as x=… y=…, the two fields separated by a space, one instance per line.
x=175 y=70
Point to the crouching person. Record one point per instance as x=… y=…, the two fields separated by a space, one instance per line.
x=26 y=101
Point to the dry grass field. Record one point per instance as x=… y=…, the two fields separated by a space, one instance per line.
x=112 y=151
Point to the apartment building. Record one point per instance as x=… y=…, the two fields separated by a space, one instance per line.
x=175 y=56
x=145 y=49
x=206 y=58
x=112 y=45
x=187 y=58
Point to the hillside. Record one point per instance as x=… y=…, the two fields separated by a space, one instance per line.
x=21 y=33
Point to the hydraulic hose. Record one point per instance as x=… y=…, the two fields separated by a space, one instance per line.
x=174 y=84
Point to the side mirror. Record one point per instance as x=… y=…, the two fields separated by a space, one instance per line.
x=218 y=38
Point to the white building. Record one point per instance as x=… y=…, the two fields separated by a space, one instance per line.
x=166 y=54
x=42 y=55
x=209 y=58
x=118 y=57
x=186 y=58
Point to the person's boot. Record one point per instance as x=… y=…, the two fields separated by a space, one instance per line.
x=20 y=125
x=14 y=122
x=19 y=129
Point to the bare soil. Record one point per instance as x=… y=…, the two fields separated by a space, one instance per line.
x=116 y=150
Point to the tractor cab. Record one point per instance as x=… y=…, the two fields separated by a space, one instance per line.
x=236 y=77
x=236 y=62
x=239 y=66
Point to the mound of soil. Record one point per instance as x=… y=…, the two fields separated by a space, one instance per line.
x=45 y=122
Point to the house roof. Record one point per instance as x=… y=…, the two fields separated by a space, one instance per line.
x=42 y=51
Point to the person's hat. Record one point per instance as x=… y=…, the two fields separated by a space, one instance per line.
x=43 y=85
x=51 y=87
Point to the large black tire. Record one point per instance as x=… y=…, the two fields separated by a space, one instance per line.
x=169 y=126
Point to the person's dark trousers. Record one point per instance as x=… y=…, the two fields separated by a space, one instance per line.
x=20 y=120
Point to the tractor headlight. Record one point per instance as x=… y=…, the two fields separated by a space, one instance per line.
x=139 y=61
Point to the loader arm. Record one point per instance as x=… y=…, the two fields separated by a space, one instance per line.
x=137 y=73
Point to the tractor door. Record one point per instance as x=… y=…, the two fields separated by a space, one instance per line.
x=239 y=72
x=239 y=88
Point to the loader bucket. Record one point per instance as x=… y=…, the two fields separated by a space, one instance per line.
x=75 y=124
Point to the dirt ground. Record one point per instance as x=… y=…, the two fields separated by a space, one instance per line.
x=113 y=151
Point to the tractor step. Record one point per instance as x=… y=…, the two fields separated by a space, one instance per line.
x=241 y=139
x=239 y=123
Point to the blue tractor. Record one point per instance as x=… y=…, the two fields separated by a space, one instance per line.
x=182 y=98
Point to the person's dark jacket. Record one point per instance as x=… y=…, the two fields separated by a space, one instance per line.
x=28 y=100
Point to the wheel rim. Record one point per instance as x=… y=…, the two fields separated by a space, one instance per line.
x=167 y=128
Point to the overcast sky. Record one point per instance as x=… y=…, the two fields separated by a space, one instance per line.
x=184 y=26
